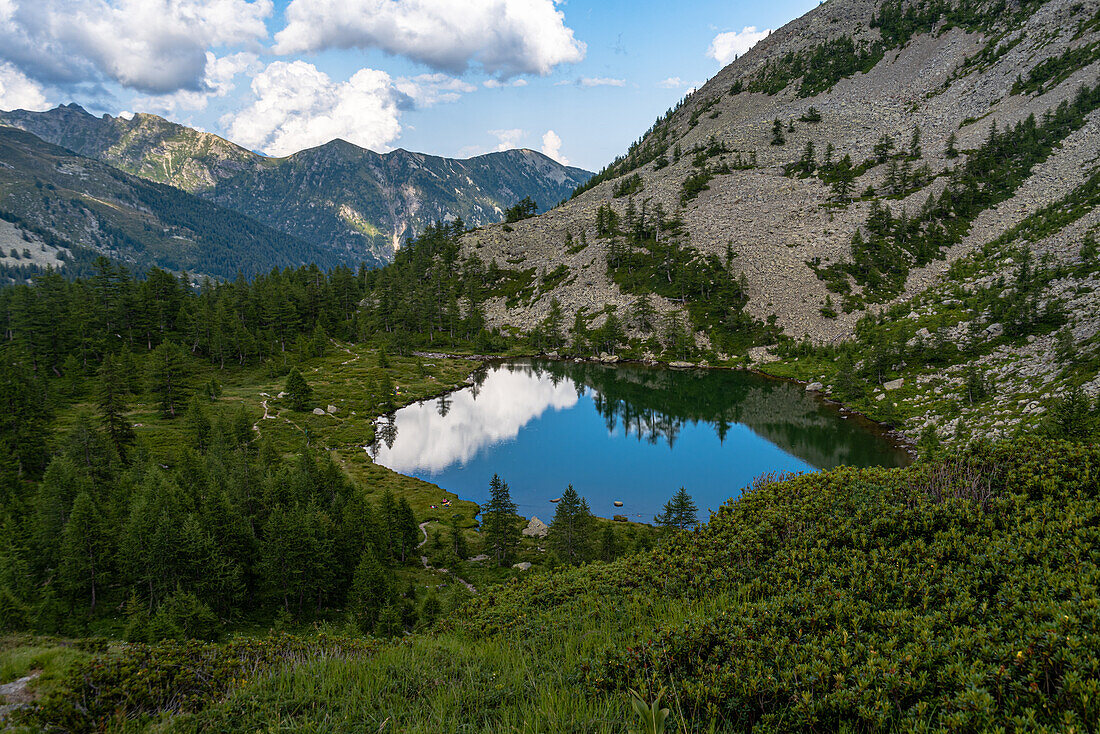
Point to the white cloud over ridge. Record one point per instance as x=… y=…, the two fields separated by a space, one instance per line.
x=505 y=38
x=551 y=146
x=507 y=139
x=219 y=82
x=297 y=106
x=17 y=92
x=153 y=46
x=729 y=45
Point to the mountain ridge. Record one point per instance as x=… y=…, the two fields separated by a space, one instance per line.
x=827 y=250
x=57 y=207
x=295 y=194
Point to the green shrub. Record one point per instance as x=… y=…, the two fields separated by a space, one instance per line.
x=142 y=681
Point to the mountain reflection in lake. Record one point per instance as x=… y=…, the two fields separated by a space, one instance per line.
x=628 y=433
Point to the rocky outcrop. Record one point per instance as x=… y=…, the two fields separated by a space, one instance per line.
x=950 y=81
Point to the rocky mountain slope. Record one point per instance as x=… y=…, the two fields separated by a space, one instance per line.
x=338 y=195
x=60 y=209
x=841 y=167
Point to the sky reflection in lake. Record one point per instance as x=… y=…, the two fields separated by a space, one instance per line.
x=626 y=433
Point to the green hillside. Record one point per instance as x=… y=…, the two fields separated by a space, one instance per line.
x=953 y=596
x=78 y=204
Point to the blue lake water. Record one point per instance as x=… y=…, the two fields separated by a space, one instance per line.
x=622 y=433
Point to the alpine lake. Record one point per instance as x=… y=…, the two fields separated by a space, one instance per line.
x=628 y=434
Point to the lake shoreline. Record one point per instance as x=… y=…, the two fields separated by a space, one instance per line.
x=903 y=440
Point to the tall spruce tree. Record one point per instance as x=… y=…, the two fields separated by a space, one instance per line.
x=369 y=591
x=85 y=552
x=499 y=522
x=111 y=401
x=680 y=512
x=407 y=531
x=458 y=543
x=643 y=315
x=298 y=392
x=571 y=531
x=168 y=377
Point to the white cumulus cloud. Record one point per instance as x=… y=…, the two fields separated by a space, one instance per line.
x=504 y=37
x=429 y=89
x=729 y=45
x=673 y=82
x=507 y=139
x=153 y=46
x=220 y=81
x=497 y=84
x=592 y=81
x=551 y=146
x=600 y=81
x=17 y=92
x=297 y=106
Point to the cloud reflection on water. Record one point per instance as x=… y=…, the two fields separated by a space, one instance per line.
x=506 y=401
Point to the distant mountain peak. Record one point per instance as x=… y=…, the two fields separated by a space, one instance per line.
x=341 y=197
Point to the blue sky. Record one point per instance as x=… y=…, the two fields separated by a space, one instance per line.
x=577 y=80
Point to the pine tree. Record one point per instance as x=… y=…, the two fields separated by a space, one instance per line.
x=198 y=422
x=85 y=550
x=570 y=535
x=883 y=148
x=580 y=332
x=499 y=524
x=680 y=512
x=808 y=162
x=408 y=533
x=298 y=392
x=777 y=133
x=459 y=544
x=552 y=325
x=952 y=151
x=111 y=401
x=609 y=543
x=610 y=334
x=677 y=339
x=643 y=315
x=168 y=375
x=318 y=342
x=386 y=391
x=369 y=591
x=914 y=145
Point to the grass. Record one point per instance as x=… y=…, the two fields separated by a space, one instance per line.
x=51 y=658
x=952 y=596
x=524 y=680
x=340 y=378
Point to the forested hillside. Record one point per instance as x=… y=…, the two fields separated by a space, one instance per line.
x=338 y=197
x=877 y=599
x=64 y=210
x=893 y=202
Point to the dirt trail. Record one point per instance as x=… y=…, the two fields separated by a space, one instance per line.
x=15 y=695
x=424 y=560
x=354 y=356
